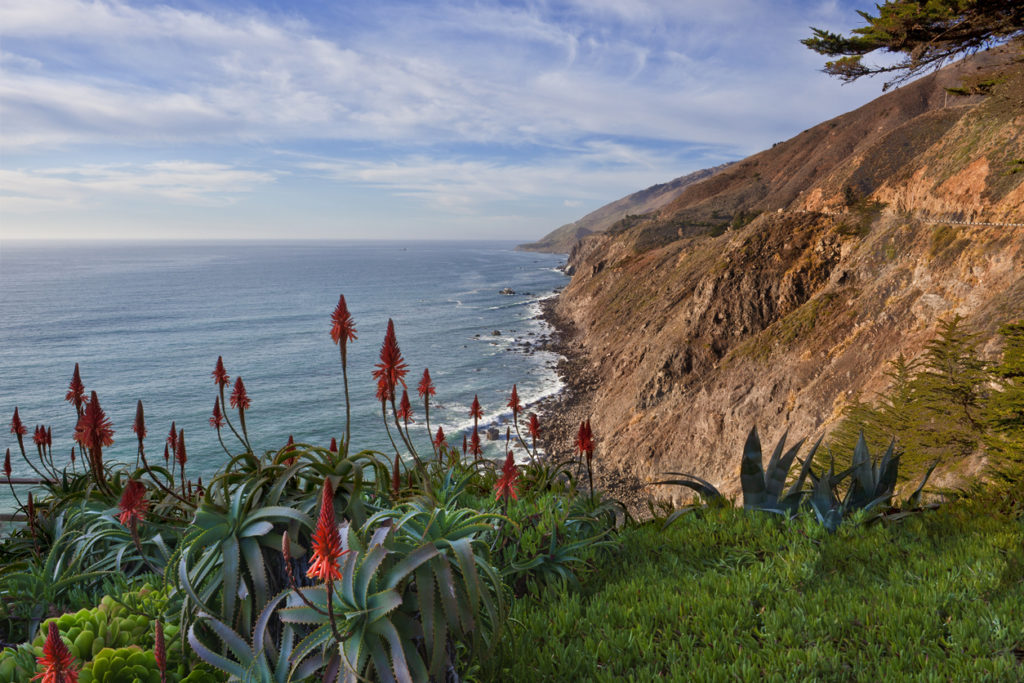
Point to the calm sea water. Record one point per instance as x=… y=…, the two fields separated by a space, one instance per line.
x=147 y=321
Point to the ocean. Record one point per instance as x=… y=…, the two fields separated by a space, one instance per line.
x=148 y=321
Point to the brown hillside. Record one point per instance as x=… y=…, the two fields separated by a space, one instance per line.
x=704 y=320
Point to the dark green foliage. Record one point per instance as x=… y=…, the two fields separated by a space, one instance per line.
x=925 y=35
x=726 y=595
x=1004 y=416
x=934 y=407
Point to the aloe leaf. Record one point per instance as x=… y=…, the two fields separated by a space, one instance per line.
x=214 y=659
x=435 y=632
x=379 y=605
x=408 y=564
x=313 y=641
x=399 y=662
x=752 y=472
x=257 y=570
x=231 y=571
x=276 y=512
x=236 y=643
x=368 y=568
x=255 y=528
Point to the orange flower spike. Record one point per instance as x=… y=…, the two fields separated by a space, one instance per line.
x=220 y=375
x=392 y=368
x=76 y=391
x=172 y=439
x=239 y=397
x=160 y=652
x=217 y=418
x=439 y=438
x=426 y=387
x=405 y=408
x=139 y=426
x=513 y=402
x=94 y=430
x=475 y=411
x=133 y=503
x=534 y=427
x=7 y=464
x=343 y=329
x=474 y=443
x=179 y=453
x=334 y=445
x=505 y=487
x=57 y=661
x=17 y=426
x=327 y=551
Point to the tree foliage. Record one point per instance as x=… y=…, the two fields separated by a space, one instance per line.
x=925 y=33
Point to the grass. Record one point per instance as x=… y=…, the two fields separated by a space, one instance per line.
x=730 y=595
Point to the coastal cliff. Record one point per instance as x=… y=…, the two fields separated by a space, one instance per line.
x=777 y=290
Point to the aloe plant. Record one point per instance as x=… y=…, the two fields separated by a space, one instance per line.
x=256 y=657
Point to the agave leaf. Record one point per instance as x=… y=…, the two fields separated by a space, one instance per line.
x=676 y=514
x=777 y=475
x=888 y=471
x=861 y=466
x=770 y=474
x=915 y=497
x=701 y=486
x=752 y=473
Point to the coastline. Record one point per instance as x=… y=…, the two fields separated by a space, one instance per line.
x=561 y=414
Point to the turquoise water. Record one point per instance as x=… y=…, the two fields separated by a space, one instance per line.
x=147 y=321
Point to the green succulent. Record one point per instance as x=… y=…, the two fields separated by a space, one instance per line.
x=18 y=664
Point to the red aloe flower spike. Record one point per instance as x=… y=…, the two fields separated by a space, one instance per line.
x=396 y=480
x=7 y=464
x=180 y=455
x=343 y=328
x=160 y=652
x=57 y=661
x=240 y=399
x=474 y=443
x=392 y=368
x=94 y=430
x=327 y=551
x=439 y=438
x=583 y=439
x=72 y=456
x=506 y=484
x=220 y=375
x=49 y=437
x=76 y=391
x=590 y=441
x=133 y=503
x=513 y=402
x=288 y=447
x=17 y=426
x=405 y=408
x=172 y=438
x=139 y=427
x=475 y=411
x=334 y=445
x=426 y=387
x=39 y=436
x=463 y=443
x=199 y=486
x=217 y=418
x=167 y=454
x=534 y=427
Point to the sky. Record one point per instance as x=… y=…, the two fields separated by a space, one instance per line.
x=323 y=119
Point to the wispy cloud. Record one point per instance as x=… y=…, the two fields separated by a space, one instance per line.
x=185 y=182
x=406 y=97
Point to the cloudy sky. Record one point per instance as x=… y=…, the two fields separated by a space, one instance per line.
x=385 y=118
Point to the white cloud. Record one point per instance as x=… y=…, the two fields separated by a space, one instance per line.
x=183 y=182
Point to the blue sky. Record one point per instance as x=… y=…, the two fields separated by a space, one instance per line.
x=374 y=119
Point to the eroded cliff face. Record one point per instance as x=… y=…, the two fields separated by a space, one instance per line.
x=695 y=337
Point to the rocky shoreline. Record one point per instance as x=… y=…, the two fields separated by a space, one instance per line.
x=561 y=414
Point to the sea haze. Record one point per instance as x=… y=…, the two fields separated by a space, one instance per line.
x=148 y=320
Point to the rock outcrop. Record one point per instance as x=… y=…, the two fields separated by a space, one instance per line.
x=779 y=288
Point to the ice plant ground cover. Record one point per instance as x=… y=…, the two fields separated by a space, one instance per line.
x=427 y=562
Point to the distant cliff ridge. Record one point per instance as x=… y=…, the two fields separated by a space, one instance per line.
x=777 y=289
x=563 y=239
